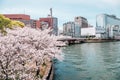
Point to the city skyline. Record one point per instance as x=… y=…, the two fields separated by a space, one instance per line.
x=64 y=10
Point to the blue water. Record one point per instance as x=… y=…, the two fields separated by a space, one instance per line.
x=89 y=61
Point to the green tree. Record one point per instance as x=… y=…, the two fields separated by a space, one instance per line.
x=15 y=23
x=4 y=23
x=7 y=23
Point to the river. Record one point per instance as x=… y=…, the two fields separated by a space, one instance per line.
x=89 y=61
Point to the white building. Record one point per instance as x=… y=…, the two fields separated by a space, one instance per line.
x=90 y=31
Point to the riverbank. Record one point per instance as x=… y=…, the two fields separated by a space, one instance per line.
x=70 y=41
x=80 y=41
x=100 y=40
x=48 y=75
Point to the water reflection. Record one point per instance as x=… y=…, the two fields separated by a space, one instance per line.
x=90 y=61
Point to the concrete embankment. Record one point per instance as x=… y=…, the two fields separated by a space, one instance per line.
x=70 y=41
x=49 y=72
x=100 y=40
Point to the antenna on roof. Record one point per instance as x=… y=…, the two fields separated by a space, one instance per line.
x=24 y=11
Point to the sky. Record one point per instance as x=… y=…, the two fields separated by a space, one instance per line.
x=64 y=10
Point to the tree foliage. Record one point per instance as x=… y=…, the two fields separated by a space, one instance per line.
x=23 y=50
x=7 y=23
x=17 y=23
x=4 y=23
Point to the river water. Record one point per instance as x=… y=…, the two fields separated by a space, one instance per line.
x=89 y=61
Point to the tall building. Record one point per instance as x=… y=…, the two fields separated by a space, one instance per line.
x=23 y=18
x=49 y=22
x=107 y=26
x=81 y=21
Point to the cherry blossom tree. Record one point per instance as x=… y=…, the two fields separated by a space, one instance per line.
x=23 y=50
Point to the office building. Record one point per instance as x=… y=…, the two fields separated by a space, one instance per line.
x=107 y=26
x=81 y=21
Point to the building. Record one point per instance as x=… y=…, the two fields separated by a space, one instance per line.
x=17 y=16
x=77 y=31
x=42 y=23
x=23 y=18
x=107 y=26
x=49 y=22
x=71 y=29
x=81 y=21
x=74 y=28
x=88 y=32
x=68 y=28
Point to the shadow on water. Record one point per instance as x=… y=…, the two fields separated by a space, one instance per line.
x=89 y=61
